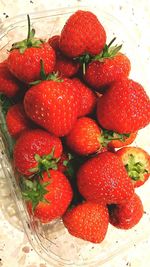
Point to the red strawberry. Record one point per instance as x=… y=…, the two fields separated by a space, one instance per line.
x=54 y=42
x=82 y=33
x=64 y=66
x=88 y=221
x=86 y=96
x=25 y=56
x=53 y=105
x=104 y=178
x=9 y=85
x=100 y=74
x=124 y=108
x=84 y=138
x=126 y=216
x=17 y=121
x=48 y=197
x=35 y=151
x=137 y=164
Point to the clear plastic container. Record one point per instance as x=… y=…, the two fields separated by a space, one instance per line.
x=52 y=241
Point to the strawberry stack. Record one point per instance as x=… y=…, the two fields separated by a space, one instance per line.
x=71 y=106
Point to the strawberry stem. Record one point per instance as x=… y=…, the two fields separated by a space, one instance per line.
x=54 y=76
x=31 y=41
x=111 y=42
x=29 y=28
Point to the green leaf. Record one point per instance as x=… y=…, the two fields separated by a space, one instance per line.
x=33 y=191
x=109 y=51
x=45 y=163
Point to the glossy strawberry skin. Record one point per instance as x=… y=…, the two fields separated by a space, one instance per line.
x=59 y=196
x=88 y=221
x=87 y=98
x=26 y=66
x=104 y=178
x=122 y=143
x=34 y=142
x=64 y=66
x=9 y=85
x=54 y=42
x=17 y=121
x=82 y=33
x=141 y=158
x=124 y=108
x=125 y=216
x=102 y=74
x=84 y=137
x=53 y=105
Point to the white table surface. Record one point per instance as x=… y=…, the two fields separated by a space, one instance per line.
x=15 y=251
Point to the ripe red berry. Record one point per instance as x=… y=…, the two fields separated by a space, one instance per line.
x=100 y=74
x=104 y=178
x=17 y=120
x=87 y=98
x=124 y=108
x=88 y=221
x=9 y=85
x=84 y=138
x=126 y=216
x=35 y=151
x=53 y=105
x=82 y=33
x=48 y=198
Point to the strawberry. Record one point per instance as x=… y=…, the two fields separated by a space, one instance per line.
x=9 y=85
x=116 y=140
x=87 y=98
x=124 y=108
x=82 y=33
x=137 y=163
x=48 y=198
x=104 y=178
x=88 y=221
x=25 y=56
x=127 y=215
x=17 y=121
x=107 y=67
x=35 y=151
x=54 y=42
x=64 y=66
x=84 y=137
x=53 y=105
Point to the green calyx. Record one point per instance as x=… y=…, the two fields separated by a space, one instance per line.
x=34 y=191
x=109 y=51
x=136 y=170
x=31 y=41
x=69 y=166
x=108 y=136
x=54 y=76
x=45 y=163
